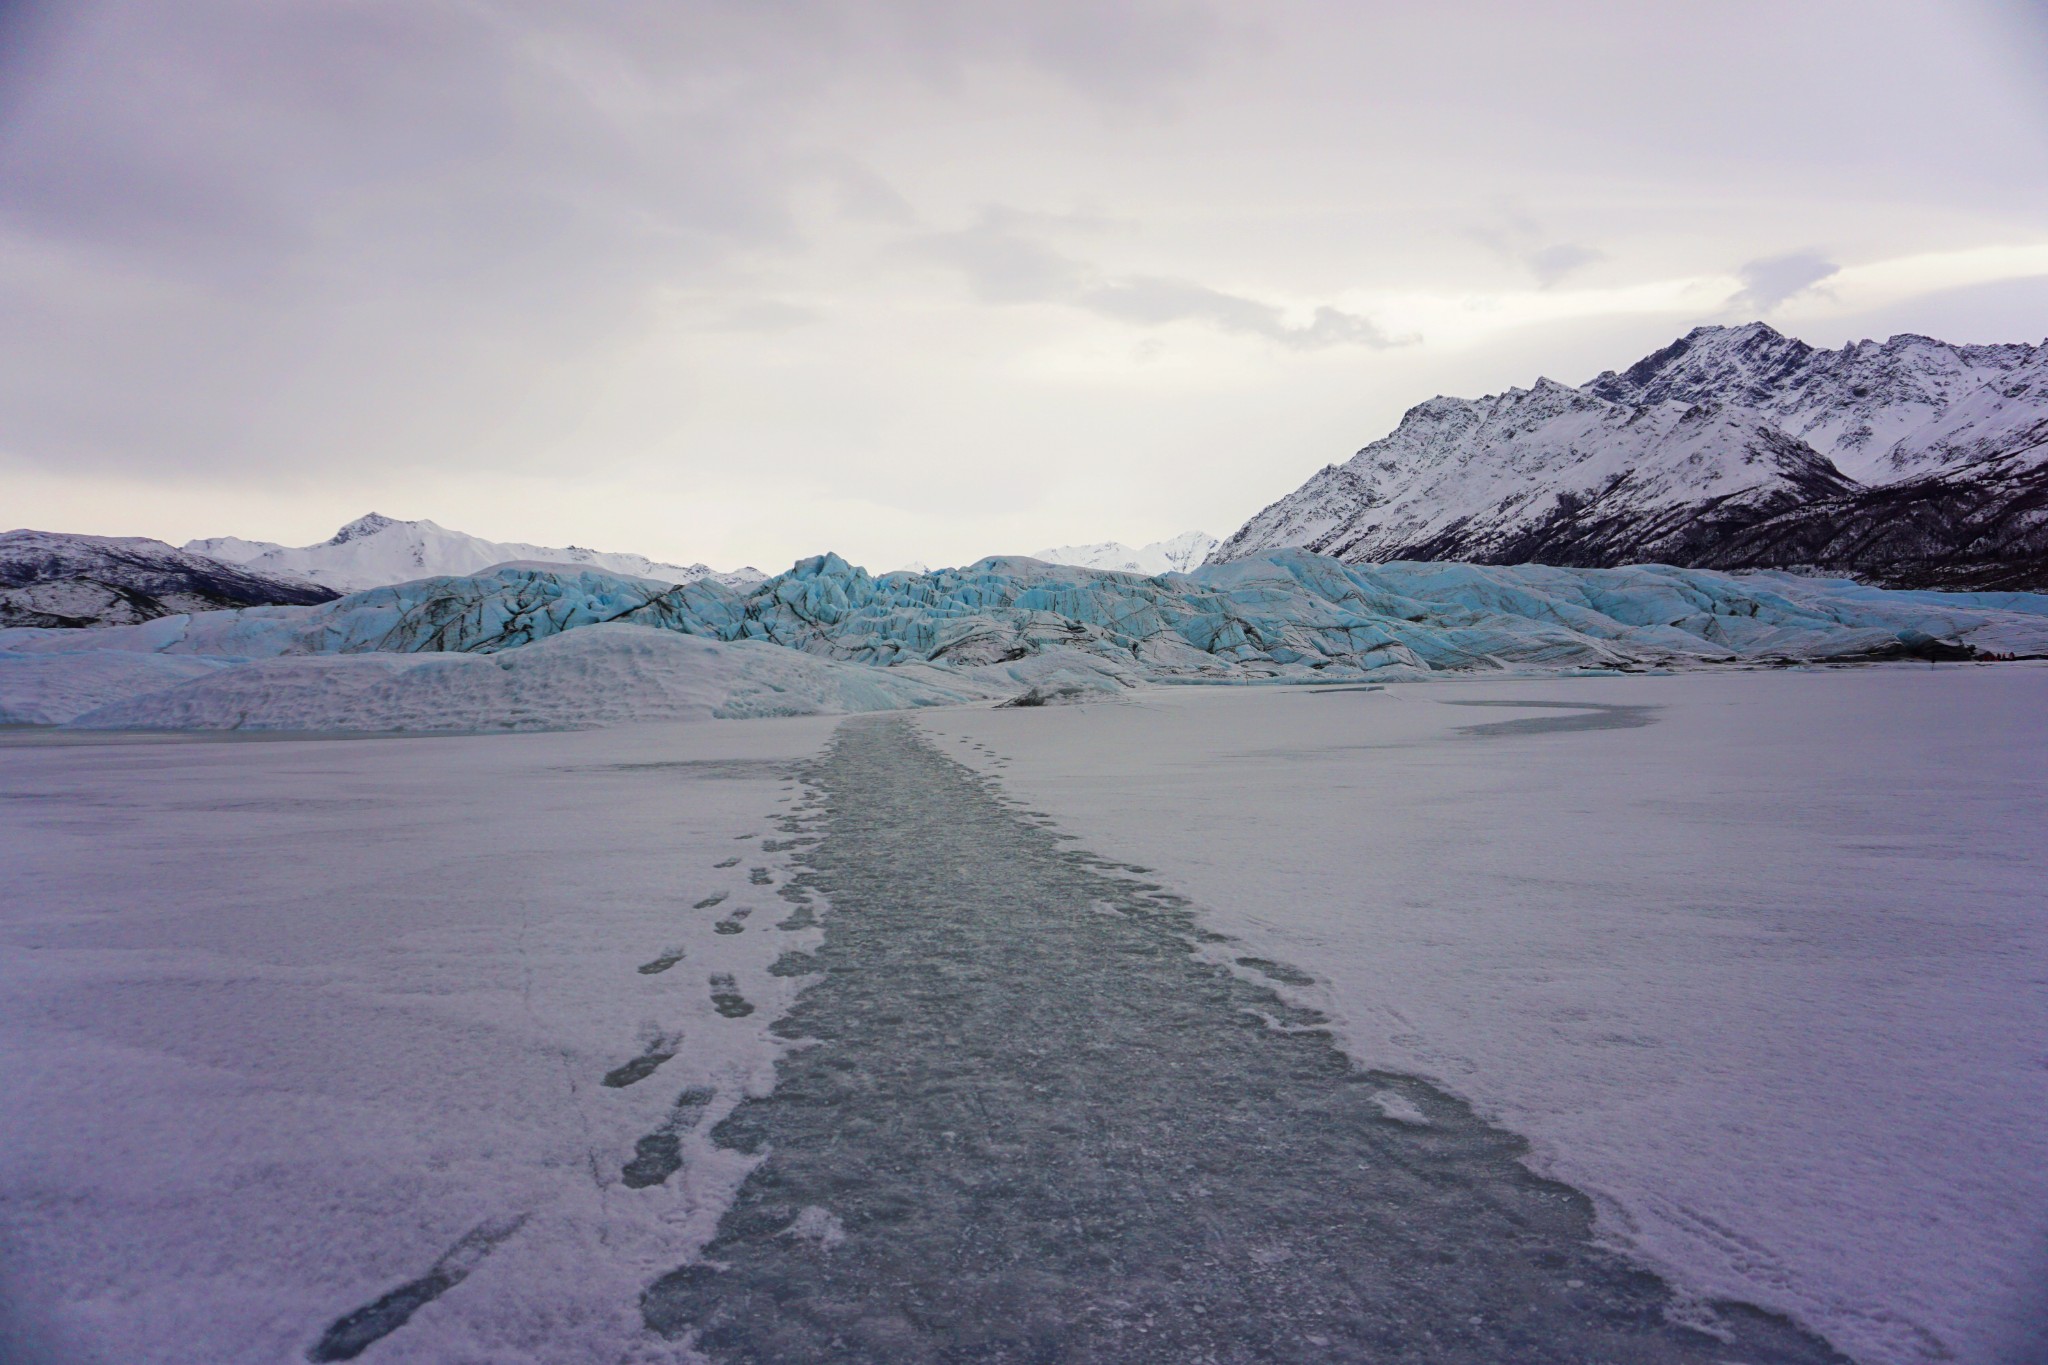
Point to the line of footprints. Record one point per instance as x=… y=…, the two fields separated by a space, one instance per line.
x=659 y=1155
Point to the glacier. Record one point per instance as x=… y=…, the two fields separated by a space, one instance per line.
x=539 y=646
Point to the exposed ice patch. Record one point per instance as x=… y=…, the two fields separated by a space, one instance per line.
x=817 y=1225
x=1399 y=1108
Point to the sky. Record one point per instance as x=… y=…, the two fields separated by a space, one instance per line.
x=740 y=282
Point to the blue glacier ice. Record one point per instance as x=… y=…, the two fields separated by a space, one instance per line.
x=1002 y=625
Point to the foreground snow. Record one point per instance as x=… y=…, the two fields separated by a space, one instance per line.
x=537 y=647
x=1755 y=959
x=282 y=1022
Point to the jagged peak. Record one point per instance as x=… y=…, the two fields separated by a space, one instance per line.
x=369 y=524
x=1738 y=329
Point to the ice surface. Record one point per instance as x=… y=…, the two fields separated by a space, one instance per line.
x=288 y=1027
x=829 y=636
x=605 y=675
x=1764 y=976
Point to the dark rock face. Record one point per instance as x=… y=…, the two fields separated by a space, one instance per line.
x=1982 y=529
x=52 y=579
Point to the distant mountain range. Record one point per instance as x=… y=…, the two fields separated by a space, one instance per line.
x=375 y=551
x=1907 y=463
x=1910 y=462
x=53 y=579
x=1179 y=554
x=49 y=579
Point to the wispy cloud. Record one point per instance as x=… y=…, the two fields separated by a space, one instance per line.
x=1773 y=280
x=1004 y=262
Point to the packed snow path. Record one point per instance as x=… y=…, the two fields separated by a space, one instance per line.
x=1039 y=1116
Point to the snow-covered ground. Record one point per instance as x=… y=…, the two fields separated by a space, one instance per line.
x=281 y=1022
x=1762 y=967
x=1754 y=958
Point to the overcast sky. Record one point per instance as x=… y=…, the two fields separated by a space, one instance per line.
x=740 y=282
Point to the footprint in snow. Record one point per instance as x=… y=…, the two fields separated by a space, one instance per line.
x=662 y=963
x=709 y=901
x=727 y=1000
x=659 y=1155
x=643 y=1066
x=356 y=1332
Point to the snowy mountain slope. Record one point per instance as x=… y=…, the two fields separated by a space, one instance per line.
x=2005 y=419
x=1002 y=627
x=1177 y=554
x=1725 y=449
x=374 y=551
x=1863 y=405
x=48 y=578
x=1550 y=473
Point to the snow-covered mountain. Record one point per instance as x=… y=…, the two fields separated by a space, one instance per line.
x=1178 y=554
x=1911 y=461
x=1862 y=406
x=374 y=551
x=48 y=578
x=1513 y=476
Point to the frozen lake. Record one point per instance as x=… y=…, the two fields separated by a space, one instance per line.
x=418 y=1047
x=1759 y=960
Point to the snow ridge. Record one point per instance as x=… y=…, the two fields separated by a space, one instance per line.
x=1176 y=554
x=1864 y=406
x=375 y=551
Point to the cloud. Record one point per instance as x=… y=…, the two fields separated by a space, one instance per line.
x=1517 y=236
x=1153 y=302
x=1773 y=280
x=1004 y=263
x=240 y=237
x=1551 y=264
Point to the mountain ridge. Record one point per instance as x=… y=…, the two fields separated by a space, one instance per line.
x=1176 y=554
x=375 y=551
x=1724 y=449
x=53 y=578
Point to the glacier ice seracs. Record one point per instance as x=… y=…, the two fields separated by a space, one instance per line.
x=579 y=647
